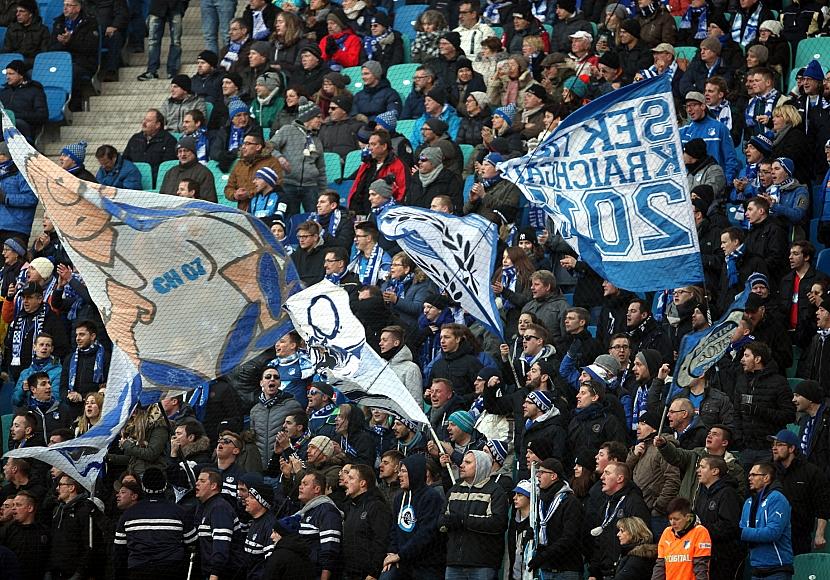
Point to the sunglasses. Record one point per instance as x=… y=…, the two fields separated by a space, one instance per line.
x=530 y=337
x=228 y=441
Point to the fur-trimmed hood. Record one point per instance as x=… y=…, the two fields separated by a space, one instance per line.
x=644 y=551
x=201 y=445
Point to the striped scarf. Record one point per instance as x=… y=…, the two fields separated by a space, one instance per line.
x=751 y=30
x=399 y=285
x=21 y=325
x=702 y=14
x=97 y=370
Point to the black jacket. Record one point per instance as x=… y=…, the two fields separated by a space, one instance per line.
x=309 y=263
x=591 y=427
x=84 y=373
x=634 y=60
x=817 y=363
x=806 y=326
x=562 y=551
x=158 y=148
x=636 y=562
x=461 y=368
x=27 y=40
x=83 y=45
x=819 y=451
x=289 y=560
x=28 y=102
x=719 y=510
x=365 y=534
x=30 y=544
x=768 y=240
x=772 y=331
x=805 y=487
x=361 y=443
x=469 y=131
x=219 y=145
x=447 y=183
x=770 y=409
x=113 y=13
x=627 y=502
x=71 y=553
x=550 y=427
x=52 y=325
x=651 y=336
x=612 y=316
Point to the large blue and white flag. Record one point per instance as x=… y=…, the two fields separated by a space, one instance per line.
x=457 y=253
x=186 y=288
x=337 y=346
x=82 y=458
x=612 y=177
x=700 y=350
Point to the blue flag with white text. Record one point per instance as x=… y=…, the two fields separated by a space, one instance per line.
x=612 y=178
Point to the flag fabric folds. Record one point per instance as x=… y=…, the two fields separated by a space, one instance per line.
x=613 y=179
x=337 y=344
x=457 y=253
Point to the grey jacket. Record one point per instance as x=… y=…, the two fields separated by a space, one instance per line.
x=409 y=373
x=174 y=111
x=266 y=421
x=305 y=170
x=551 y=311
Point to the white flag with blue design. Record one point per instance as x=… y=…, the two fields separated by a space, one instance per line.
x=457 y=253
x=337 y=345
x=612 y=177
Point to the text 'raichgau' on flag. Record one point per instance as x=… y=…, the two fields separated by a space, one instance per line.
x=186 y=288
x=457 y=253
x=702 y=349
x=612 y=178
x=82 y=458
x=337 y=344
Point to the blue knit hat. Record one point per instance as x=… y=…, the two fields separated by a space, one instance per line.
x=15 y=246
x=411 y=425
x=541 y=399
x=463 y=420
x=388 y=120
x=493 y=159
x=523 y=487
x=288 y=525
x=267 y=175
x=758 y=278
x=498 y=449
x=76 y=151
x=507 y=112
x=787 y=164
x=813 y=71
x=235 y=107
x=762 y=143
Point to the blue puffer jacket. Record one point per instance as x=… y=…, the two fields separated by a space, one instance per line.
x=769 y=539
x=17 y=210
x=718 y=143
x=50 y=366
x=793 y=204
x=123 y=174
x=375 y=100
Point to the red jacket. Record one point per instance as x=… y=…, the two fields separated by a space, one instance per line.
x=359 y=194
x=349 y=53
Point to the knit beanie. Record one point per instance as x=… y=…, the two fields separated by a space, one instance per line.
x=712 y=44
x=263 y=493
x=498 y=449
x=209 y=57
x=439 y=301
x=541 y=399
x=576 y=85
x=375 y=68
x=15 y=246
x=453 y=38
x=463 y=420
x=43 y=266
x=762 y=143
x=813 y=71
x=388 y=120
x=787 y=164
x=324 y=444
x=652 y=359
x=493 y=159
x=76 y=151
x=507 y=112
x=344 y=100
x=153 y=481
x=187 y=142
x=696 y=148
x=262 y=48
x=432 y=154
x=382 y=187
x=438 y=126
x=288 y=526
x=609 y=363
x=758 y=278
x=307 y=110
x=235 y=107
x=268 y=175
x=183 y=82
x=269 y=80
x=480 y=98
x=438 y=95
x=337 y=79
x=775 y=27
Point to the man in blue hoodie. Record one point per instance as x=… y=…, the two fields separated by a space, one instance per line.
x=416 y=548
x=766 y=526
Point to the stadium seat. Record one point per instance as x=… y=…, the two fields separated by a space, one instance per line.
x=334 y=168
x=6 y=422
x=592 y=330
x=400 y=77
x=56 y=101
x=467 y=150
x=163 y=169
x=687 y=52
x=354 y=73
x=2 y=34
x=405 y=127
x=291 y=231
x=208 y=110
x=352 y=163
x=823 y=261
x=791 y=85
x=405 y=18
x=50 y=10
x=407 y=49
x=794 y=382
x=814 y=235
x=5 y=59
x=814 y=566
x=569 y=298
x=53 y=69
x=498 y=30
x=266 y=133
x=812 y=48
x=468 y=186
x=146 y=175
x=343 y=188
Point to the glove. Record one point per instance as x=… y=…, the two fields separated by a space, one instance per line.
x=575 y=348
x=749 y=409
x=331 y=47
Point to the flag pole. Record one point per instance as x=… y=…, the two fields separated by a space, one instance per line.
x=441 y=447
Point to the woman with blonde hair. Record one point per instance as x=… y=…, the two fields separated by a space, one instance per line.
x=406 y=290
x=144 y=440
x=93 y=403
x=790 y=141
x=428 y=30
x=638 y=553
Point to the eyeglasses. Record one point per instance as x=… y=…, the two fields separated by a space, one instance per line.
x=530 y=337
x=304 y=236
x=328 y=261
x=313 y=392
x=333 y=107
x=66 y=484
x=682 y=291
x=396 y=264
x=249 y=143
x=675 y=411
x=271 y=376
x=620 y=347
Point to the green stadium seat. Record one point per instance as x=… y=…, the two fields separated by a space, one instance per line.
x=467 y=150
x=498 y=30
x=334 y=168
x=794 y=382
x=405 y=127
x=146 y=175
x=400 y=77
x=812 y=48
x=814 y=566
x=354 y=73
x=6 y=422
x=220 y=180
x=352 y=163
x=163 y=169
x=687 y=52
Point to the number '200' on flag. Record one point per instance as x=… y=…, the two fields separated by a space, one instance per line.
x=612 y=177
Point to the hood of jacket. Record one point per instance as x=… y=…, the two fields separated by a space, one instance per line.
x=201 y=445
x=484 y=466
x=402 y=356
x=416 y=467
x=464 y=348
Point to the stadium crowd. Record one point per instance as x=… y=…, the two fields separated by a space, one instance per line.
x=271 y=473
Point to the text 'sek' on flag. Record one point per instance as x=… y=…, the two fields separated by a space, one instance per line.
x=702 y=349
x=457 y=253
x=337 y=344
x=612 y=177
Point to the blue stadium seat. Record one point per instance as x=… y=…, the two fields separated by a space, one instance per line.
x=407 y=49
x=823 y=261
x=293 y=222
x=468 y=186
x=814 y=235
x=405 y=18
x=56 y=101
x=53 y=69
x=5 y=59
x=2 y=34
x=343 y=188
x=569 y=298
x=6 y=423
x=50 y=10
x=812 y=566
x=334 y=168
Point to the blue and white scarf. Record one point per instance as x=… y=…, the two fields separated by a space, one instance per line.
x=777 y=189
x=371 y=44
x=201 y=145
x=640 y=405
x=264 y=204
x=97 y=370
x=477 y=408
x=333 y=221
x=723 y=113
x=72 y=297
x=491 y=13
x=71 y=25
x=546 y=512
x=702 y=14
x=23 y=281
x=335 y=278
x=807 y=435
x=346 y=447
x=236 y=137
x=232 y=55
x=732 y=264
x=21 y=325
x=768 y=100
x=400 y=285
x=751 y=30
x=490 y=181
x=651 y=72
x=385 y=205
x=6 y=168
x=260 y=31
x=369 y=270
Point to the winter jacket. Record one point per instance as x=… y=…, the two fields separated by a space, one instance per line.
x=627 y=502
x=793 y=143
x=71 y=552
x=174 y=111
x=220 y=537
x=84 y=375
x=715 y=408
x=27 y=40
x=311 y=79
x=82 y=45
x=461 y=368
x=636 y=562
x=633 y=60
x=816 y=446
x=687 y=461
x=768 y=240
x=30 y=543
x=321 y=526
x=747 y=265
x=242 y=176
x=718 y=142
x=563 y=29
x=305 y=170
x=706 y=172
x=649 y=335
x=469 y=131
x=657 y=479
x=551 y=311
x=190 y=170
x=408 y=372
x=447 y=183
x=124 y=174
x=152 y=533
x=805 y=328
x=805 y=487
x=768 y=535
x=17 y=210
x=561 y=534
x=57 y=416
x=591 y=427
x=359 y=444
x=365 y=534
x=475 y=520
x=346 y=47
x=410 y=304
x=209 y=87
x=264 y=110
x=770 y=409
x=267 y=420
x=793 y=207
x=718 y=508
x=657 y=28
x=158 y=148
x=154 y=453
x=289 y=560
x=390 y=50
x=375 y=100
x=27 y=101
x=547 y=427
x=499 y=204
x=340 y=136
x=51 y=325
x=698 y=72
x=309 y=263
